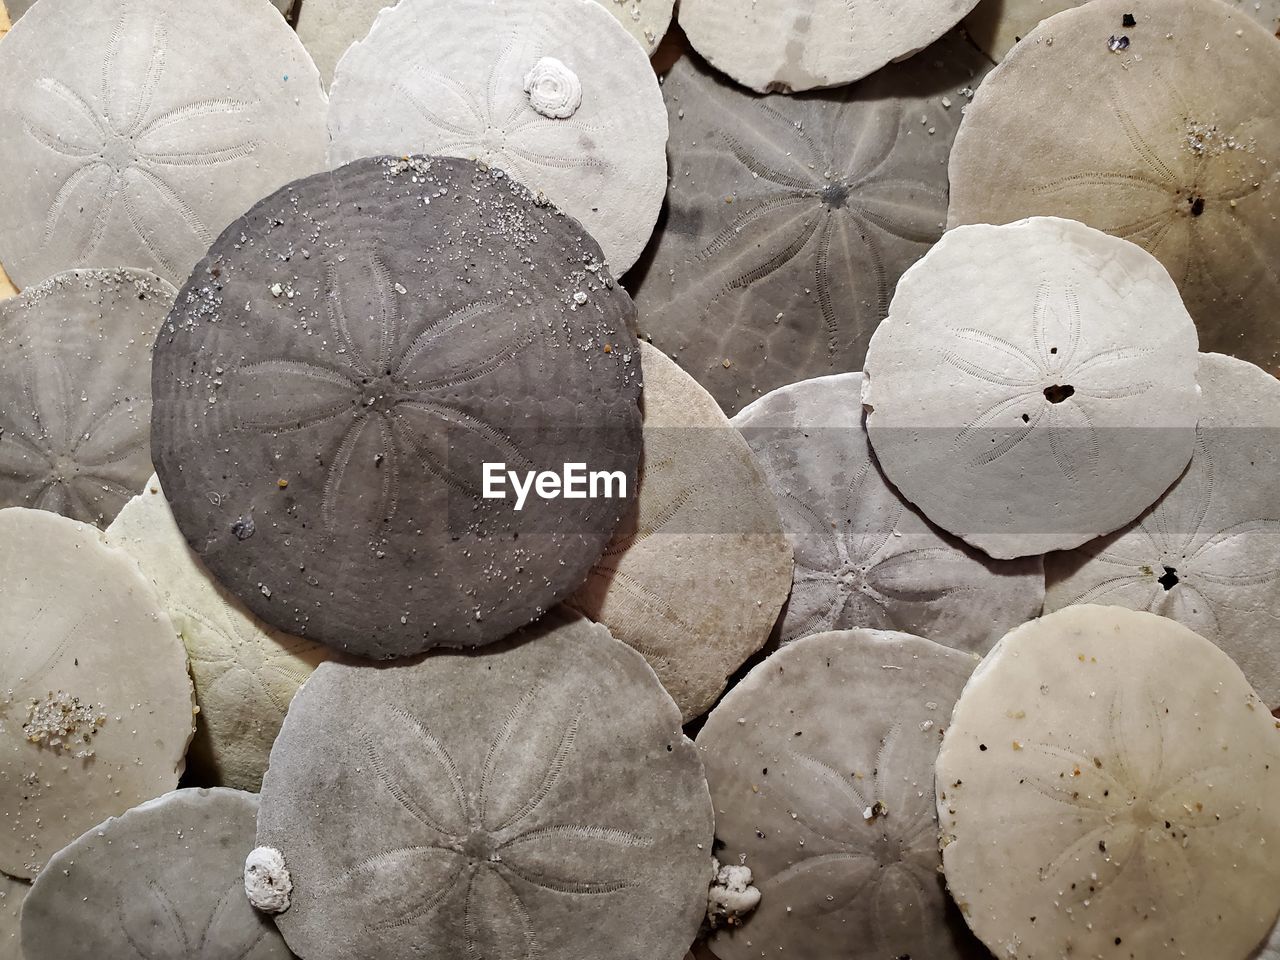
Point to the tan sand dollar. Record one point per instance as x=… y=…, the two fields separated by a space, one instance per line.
x=1107 y=788
x=1164 y=147
x=12 y=893
x=97 y=709
x=696 y=576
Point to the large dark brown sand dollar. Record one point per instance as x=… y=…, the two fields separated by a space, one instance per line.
x=343 y=363
x=533 y=801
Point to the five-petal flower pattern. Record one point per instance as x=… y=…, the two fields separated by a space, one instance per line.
x=155 y=929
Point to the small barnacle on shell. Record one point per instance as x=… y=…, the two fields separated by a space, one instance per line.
x=554 y=90
x=267 y=883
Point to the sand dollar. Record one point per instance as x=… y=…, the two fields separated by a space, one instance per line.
x=124 y=149
x=12 y=894
x=342 y=378
x=75 y=391
x=695 y=577
x=510 y=803
x=821 y=771
x=97 y=706
x=1107 y=784
x=162 y=882
x=1044 y=363
x=864 y=556
x=448 y=77
x=1162 y=148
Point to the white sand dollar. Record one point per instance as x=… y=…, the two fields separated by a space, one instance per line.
x=1107 y=788
x=1044 y=363
x=1207 y=554
x=96 y=707
x=448 y=77
x=245 y=672
x=12 y=893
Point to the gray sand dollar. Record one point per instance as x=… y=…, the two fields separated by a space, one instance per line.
x=515 y=802
x=96 y=710
x=1107 y=784
x=696 y=576
x=864 y=557
x=1044 y=363
x=329 y=388
x=1207 y=554
x=75 y=391
x=1270 y=949
x=162 y=882
x=790 y=219
x=12 y=893
x=821 y=771
x=123 y=148
x=1166 y=146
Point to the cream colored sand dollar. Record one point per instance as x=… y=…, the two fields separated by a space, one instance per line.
x=1107 y=789
x=1207 y=554
x=96 y=707
x=12 y=893
x=696 y=576
x=780 y=45
x=245 y=672
x=448 y=77
x=1033 y=386
x=1166 y=146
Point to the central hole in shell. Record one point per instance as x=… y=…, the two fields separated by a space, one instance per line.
x=1059 y=392
x=1170 y=578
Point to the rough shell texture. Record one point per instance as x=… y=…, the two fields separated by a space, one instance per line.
x=514 y=802
x=1207 y=554
x=75 y=391
x=864 y=556
x=1044 y=363
x=129 y=151
x=447 y=77
x=340 y=367
x=697 y=574
x=779 y=45
x=96 y=706
x=12 y=893
x=162 y=882
x=1111 y=774
x=821 y=771
x=1164 y=147
x=245 y=672
x=790 y=219
x=328 y=27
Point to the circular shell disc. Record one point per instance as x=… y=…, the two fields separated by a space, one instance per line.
x=245 y=672
x=12 y=893
x=1107 y=788
x=448 y=77
x=1163 y=147
x=821 y=771
x=163 y=882
x=696 y=576
x=75 y=391
x=340 y=376
x=790 y=219
x=1207 y=554
x=1045 y=363
x=96 y=707
x=511 y=804
x=124 y=149
x=864 y=556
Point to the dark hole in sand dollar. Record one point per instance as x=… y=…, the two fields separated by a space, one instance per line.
x=341 y=367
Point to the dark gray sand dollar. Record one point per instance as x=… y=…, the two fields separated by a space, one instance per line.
x=164 y=881
x=1207 y=554
x=790 y=219
x=339 y=369
x=1167 y=145
x=821 y=771
x=864 y=557
x=696 y=575
x=133 y=131
x=75 y=391
x=533 y=800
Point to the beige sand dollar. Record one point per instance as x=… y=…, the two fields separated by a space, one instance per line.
x=245 y=672
x=1166 y=145
x=12 y=893
x=328 y=27
x=1107 y=788
x=97 y=708
x=1033 y=386
x=696 y=576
